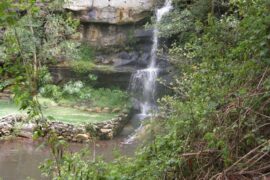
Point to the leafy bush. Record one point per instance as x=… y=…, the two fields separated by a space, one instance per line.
x=73 y=88
x=77 y=92
x=86 y=52
x=216 y=124
x=82 y=61
x=51 y=91
x=82 y=66
x=108 y=97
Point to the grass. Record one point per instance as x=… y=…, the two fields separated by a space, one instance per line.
x=7 y=107
x=74 y=116
x=62 y=114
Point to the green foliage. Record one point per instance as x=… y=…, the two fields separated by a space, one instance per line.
x=217 y=118
x=51 y=91
x=32 y=37
x=86 y=52
x=83 y=59
x=82 y=66
x=108 y=97
x=77 y=92
x=73 y=88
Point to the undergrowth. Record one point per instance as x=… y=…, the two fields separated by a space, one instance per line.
x=216 y=123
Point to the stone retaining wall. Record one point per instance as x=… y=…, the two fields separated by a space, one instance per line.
x=7 y=124
x=73 y=133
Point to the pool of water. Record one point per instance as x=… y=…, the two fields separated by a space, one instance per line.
x=20 y=158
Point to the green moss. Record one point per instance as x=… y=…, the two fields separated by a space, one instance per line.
x=104 y=68
x=82 y=66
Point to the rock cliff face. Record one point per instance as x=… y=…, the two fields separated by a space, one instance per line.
x=115 y=29
x=110 y=22
x=111 y=11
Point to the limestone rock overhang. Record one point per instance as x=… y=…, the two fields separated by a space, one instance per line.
x=111 y=11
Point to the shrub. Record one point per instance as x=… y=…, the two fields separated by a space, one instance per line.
x=51 y=91
x=73 y=88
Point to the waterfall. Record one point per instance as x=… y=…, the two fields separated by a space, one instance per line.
x=143 y=82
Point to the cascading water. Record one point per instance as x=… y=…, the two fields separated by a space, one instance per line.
x=143 y=82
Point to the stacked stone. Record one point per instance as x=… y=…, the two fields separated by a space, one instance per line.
x=7 y=124
x=109 y=129
x=69 y=132
x=73 y=133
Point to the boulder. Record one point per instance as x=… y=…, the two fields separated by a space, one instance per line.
x=28 y=127
x=82 y=108
x=82 y=137
x=116 y=110
x=90 y=110
x=25 y=134
x=98 y=110
x=105 y=131
x=108 y=126
x=106 y=110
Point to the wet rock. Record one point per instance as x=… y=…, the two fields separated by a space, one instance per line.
x=134 y=56
x=123 y=55
x=123 y=62
x=125 y=59
x=144 y=59
x=142 y=33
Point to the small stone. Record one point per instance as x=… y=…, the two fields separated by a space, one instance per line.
x=82 y=108
x=90 y=110
x=28 y=127
x=98 y=110
x=25 y=134
x=106 y=62
x=106 y=110
x=108 y=126
x=60 y=137
x=116 y=110
x=110 y=135
x=105 y=131
x=82 y=137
